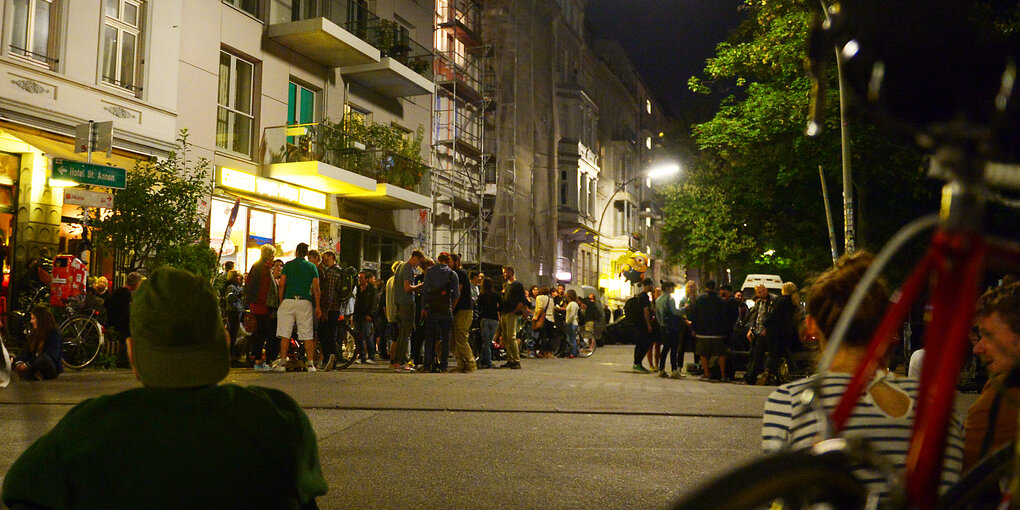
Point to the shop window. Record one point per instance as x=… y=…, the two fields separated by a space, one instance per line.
x=291 y=231
x=122 y=43
x=34 y=30
x=234 y=245
x=261 y=230
x=234 y=117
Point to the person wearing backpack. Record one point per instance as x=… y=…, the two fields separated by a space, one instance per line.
x=639 y=310
x=441 y=290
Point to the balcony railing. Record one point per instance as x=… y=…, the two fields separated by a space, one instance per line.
x=387 y=36
x=335 y=146
x=392 y=41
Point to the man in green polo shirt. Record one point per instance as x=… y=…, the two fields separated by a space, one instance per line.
x=181 y=440
x=299 y=289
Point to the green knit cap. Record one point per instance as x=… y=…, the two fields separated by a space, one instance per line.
x=178 y=336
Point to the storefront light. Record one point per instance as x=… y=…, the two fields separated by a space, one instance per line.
x=59 y=183
x=241 y=181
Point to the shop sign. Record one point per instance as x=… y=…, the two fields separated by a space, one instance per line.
x=89 y=173
x=270 y=188
x=88 y=198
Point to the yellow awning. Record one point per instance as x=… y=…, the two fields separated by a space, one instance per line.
x=58 y=146
x=297 y=211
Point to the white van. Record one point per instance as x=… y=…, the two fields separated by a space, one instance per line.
x=771 y=281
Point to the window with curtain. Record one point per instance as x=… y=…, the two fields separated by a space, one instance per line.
x=122 y=41
x=234 y=116
x=34 y=28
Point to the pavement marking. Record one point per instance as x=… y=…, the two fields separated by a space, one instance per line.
x=535 y=411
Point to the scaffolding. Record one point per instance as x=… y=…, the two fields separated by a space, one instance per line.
x=463 y=103
x=500 y=244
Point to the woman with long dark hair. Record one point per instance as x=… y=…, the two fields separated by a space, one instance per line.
x=488 y=321
x=43 y=354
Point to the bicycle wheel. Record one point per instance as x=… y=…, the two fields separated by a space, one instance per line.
x=798 y=479
x=346 y=347
x=83 y=337
x=979 y=487
x=586 y=343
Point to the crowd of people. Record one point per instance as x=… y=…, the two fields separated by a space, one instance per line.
x=415 y=320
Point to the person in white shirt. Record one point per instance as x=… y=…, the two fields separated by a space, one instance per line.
x=571 y=322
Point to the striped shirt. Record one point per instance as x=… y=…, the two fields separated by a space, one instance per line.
x=789 y=423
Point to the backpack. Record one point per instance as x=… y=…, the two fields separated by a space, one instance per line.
x=632 y=310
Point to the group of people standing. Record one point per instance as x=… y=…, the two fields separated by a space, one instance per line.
x=708 y=322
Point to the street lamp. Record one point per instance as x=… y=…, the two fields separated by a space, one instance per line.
x=657 y=172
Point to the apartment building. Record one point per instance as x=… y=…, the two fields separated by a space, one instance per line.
x=575 y=129
x=64 y=63
x=316 y=115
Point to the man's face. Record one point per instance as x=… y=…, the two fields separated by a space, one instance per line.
x=314 y=259
x=760 y=291
x=561 y=290
x=328 y=260
x=998 y=346
x=371 y=279
x=415 y=261
x=361 y=279
x=739 y=295
x=507 y=274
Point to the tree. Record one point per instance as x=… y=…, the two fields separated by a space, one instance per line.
x=155 y=220
x=756 y=153
x=699 y=227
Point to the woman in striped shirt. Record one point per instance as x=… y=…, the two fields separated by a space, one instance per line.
x=883 y=415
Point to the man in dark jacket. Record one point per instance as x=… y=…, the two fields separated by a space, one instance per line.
x=763 y=302
x=364 y=305
x=711 y=327
x=440 y=291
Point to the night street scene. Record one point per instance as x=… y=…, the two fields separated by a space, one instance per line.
x=670 y=254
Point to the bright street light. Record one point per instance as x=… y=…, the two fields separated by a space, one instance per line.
x=656 y=172
x=664 y=170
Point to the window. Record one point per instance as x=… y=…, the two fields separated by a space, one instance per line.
x=234 y=117
x=122 y=37
x=300 y=105
x=34 y=30
x=249 y=6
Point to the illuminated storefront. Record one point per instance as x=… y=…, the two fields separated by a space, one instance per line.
x=269 y=212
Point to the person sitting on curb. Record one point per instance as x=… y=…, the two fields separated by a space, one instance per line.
x=181 y=440
x=43 y=355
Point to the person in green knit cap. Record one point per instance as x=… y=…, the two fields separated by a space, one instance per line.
x=181 y=440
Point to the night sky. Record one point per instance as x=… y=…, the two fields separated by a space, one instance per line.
x=668 y=40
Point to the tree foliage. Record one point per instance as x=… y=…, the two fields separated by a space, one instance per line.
x=699 y=226
x=157 y=216
x=754 y=151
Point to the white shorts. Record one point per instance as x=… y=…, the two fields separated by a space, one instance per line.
x=291 y=311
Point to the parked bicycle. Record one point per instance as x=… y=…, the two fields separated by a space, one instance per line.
x=964 y=103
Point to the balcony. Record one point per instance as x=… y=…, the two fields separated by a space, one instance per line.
x=327 y=32
x=405 y=67
x=330 y=159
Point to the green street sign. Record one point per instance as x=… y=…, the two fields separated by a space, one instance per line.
x=89 y=173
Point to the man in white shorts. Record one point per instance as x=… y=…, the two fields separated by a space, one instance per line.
x=299 y=303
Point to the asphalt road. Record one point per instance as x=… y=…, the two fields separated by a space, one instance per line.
x=556 y=434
